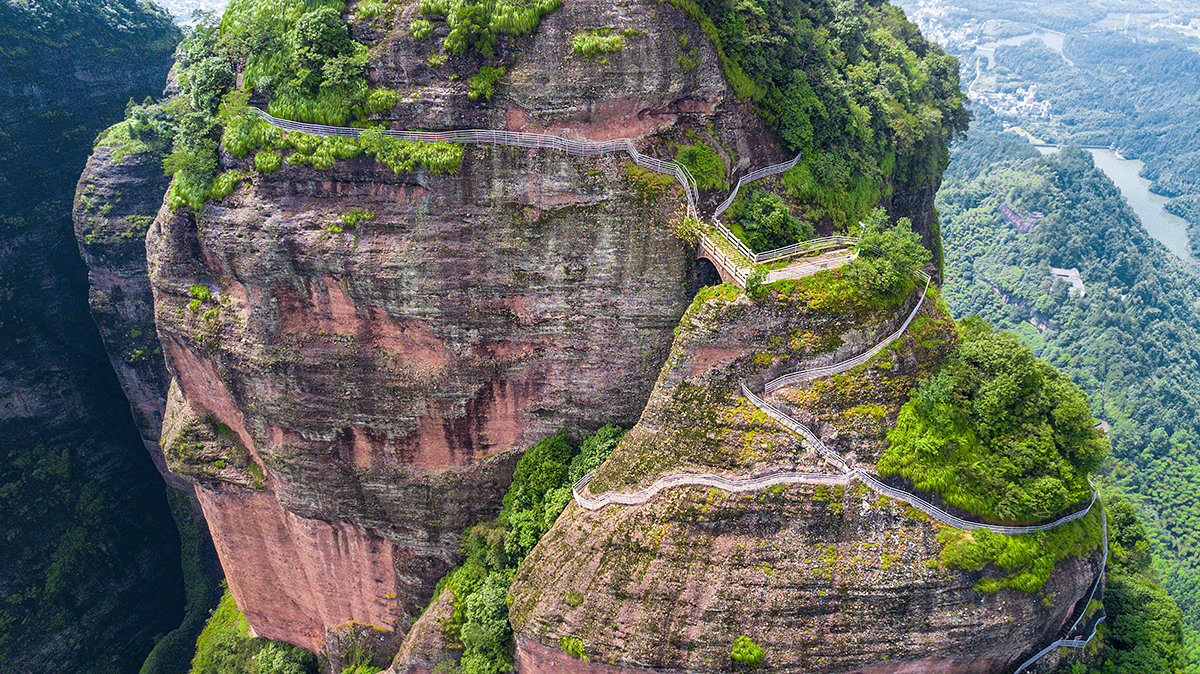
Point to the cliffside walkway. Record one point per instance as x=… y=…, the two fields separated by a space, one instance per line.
x=740 y=274
x=850 y=364
x=846 y=472
x=513 y=138
x=736 y=272
x=1070 y=637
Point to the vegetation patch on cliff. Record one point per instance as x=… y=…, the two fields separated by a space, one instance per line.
x=997 y=432
x=1027 y=559
x=301 y=58
x=540 y=490
x=853 y=86
x=1143 y=631
x=226 y=647
x=698 y=420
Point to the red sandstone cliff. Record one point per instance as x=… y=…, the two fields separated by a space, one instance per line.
x=347 y=403
x=825 y=579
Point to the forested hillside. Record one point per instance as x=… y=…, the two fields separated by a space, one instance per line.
x=1131 y=341
x=1126 y=75
x=90 y=556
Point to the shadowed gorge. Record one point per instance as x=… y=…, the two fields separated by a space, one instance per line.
x=91 y=558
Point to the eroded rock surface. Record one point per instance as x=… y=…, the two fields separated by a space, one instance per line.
x=825 y=579
x=115 y=202
x=355 y=399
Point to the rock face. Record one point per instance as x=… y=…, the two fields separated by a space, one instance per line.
x=115 y=202
x=825 y=579
x=90 y=564
x=353 y=400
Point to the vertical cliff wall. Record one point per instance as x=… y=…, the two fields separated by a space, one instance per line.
x=352 y=398
x=116 y=200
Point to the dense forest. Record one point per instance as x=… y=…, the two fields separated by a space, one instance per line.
x=1150 y=93
x=1130 y=340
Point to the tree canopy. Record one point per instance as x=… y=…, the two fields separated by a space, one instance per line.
x=891 y=254
x=997 y=432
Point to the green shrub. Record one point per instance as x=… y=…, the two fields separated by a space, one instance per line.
x=354 y=216
x=890 y=254
x=267 y=161
x=200 y=294
x=483 y=84
x=437 y=7
x=404 y=156
x=755 y=281
x=420 y=29
x=594 y=44
x=224 y=184
x=369 y=9
x=705 y=165
x=766 y=222
x=573 y=646
x=997 y=432
x=243 y=134
x=522 y=18
x=470 y=29
x=746 y=652
x=382 y=100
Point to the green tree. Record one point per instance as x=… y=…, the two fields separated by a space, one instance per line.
x=768 y=222
x=318 y=37
x=208 y=81
x=890 y=254
x=997 y=432
x=486 y=633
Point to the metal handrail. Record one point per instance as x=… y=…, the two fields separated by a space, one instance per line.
x=836 y=368
x=751 y=177
x=513 y=138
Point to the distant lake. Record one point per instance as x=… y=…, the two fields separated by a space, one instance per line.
x=1171 y=230
x=1051 y=39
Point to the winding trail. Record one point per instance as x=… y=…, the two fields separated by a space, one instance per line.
x=847 y=365
x=740 y=275
x=513 y=138
x=735 y=272
x=1070 y=638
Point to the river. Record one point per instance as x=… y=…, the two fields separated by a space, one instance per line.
x=1171 y=230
